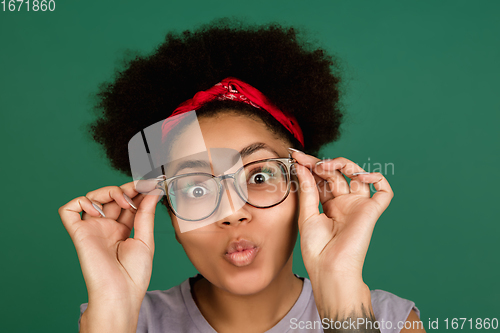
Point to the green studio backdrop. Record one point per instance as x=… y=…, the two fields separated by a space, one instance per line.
x=421 y=96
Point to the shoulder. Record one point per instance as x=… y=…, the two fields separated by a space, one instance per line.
x=387 y=307
x=170 y=300
x=164 y=310
x=393 y=311
x=386 y=301
x=161 y=310
x=153 y=300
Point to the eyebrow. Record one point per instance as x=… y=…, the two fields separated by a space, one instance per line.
x=192 y=164
x=245 y=152
x=254 y=147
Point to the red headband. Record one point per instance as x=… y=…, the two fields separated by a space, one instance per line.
x=236 y=90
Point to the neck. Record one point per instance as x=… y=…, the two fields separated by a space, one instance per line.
x=228 y=312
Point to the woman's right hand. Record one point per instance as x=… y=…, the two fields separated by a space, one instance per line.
x=117 y=269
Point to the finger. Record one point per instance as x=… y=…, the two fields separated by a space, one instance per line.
x=70 y=212
x=146 y=185
x=112 y=210
x=97 y=206
x=113 y=198
x=308 y=195
x=129 y=188
x=109 y=194
x=384 y=193
x=324 y=185
x=306 y=160
x=144 y=219
x=337 y=183
x=344 y=167
x=127 y=216
x=134 y=198
x=131 y=193
x=324 y=188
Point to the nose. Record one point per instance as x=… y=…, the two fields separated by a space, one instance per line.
x=239 y=216
x=233 y=210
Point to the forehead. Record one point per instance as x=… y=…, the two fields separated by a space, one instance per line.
x=223 y=131
x=234 y=131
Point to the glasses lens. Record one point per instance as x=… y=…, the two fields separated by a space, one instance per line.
x=263 y=184
x=193 y=197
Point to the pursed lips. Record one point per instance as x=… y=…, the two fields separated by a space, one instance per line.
x=241 y=253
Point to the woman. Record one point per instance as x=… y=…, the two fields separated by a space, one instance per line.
x=262 y=96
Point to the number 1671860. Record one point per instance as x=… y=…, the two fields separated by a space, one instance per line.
x=28 y=5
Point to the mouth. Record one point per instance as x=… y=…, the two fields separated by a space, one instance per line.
x=241 y=253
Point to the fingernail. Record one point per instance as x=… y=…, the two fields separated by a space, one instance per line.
x=291 y=150
x=130 y=202
x=98 y=209
x=361 y=173
x=321 y=162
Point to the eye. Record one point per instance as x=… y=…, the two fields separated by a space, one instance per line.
x=195 y=191
x=261 y=176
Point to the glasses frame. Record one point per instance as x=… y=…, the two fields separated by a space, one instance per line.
x=163 y=184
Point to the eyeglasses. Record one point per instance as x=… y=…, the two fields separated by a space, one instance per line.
x=197 y=196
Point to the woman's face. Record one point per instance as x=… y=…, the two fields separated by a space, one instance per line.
x=272 y=230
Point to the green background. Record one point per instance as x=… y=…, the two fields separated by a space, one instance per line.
x=421 y=92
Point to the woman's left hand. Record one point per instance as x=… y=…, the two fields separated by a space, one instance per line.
x=334 y=244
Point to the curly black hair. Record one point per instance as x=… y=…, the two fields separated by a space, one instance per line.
x=296 y=77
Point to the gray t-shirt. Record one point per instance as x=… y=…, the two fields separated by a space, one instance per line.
x=174 y=310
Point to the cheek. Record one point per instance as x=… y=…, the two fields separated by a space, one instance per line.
x=196 y=244
x=280 y=226
x=202 y=251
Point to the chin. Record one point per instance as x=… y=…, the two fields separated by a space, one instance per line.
x=246 y=282
x=246 y=286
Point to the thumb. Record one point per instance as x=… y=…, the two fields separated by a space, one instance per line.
x=145 y=218
x=308 y=194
